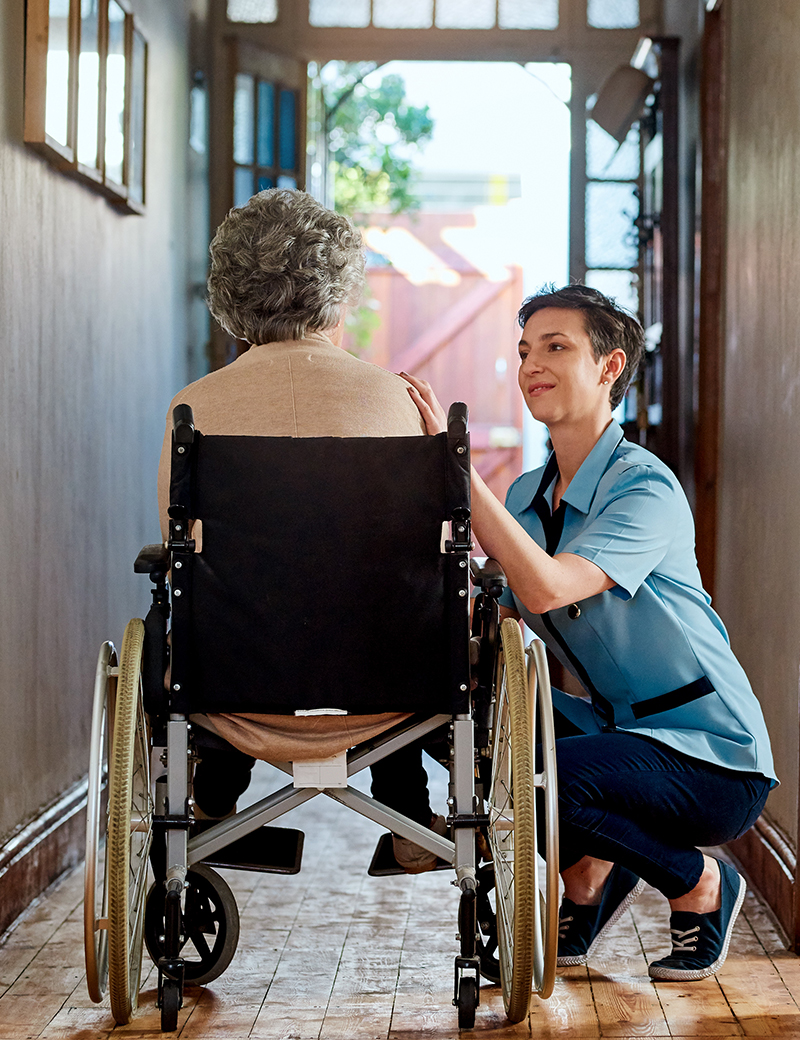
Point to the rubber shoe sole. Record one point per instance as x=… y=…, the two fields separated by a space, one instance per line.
x=664 y=973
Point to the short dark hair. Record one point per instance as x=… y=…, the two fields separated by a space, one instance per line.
x=607 y=325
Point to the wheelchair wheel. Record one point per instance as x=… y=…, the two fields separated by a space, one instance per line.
x=95 y=879
x=210 y=927
x=546 y=929
x=130 y=820
x=512 y=826
x=467 y=1001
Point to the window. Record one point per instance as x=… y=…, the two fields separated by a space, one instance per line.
x=264 y=137
x=612 y=14
x=85 y=84
x=444 y=14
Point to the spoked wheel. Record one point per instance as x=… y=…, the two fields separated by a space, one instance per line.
x=526 y=931
x=210 y=925
x=130 y=823
x=546 y=908
x=487 y=925
x=95 y=879
x=512 y=832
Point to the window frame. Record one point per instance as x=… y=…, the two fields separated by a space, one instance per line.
x=64 y=156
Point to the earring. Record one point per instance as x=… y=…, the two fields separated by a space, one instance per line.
x=605 y=382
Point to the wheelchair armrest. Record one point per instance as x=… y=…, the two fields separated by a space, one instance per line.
x=151 y=558
x=488 y=574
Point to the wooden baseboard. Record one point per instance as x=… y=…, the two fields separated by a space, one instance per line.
x=770 y=864
x=42 y=850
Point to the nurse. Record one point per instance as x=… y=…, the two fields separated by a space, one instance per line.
x=667 y=748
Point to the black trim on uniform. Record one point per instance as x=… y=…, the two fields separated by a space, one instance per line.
x=674 y=699
x=553 y=527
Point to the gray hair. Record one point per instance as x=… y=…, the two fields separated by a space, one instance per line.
x=283 y=266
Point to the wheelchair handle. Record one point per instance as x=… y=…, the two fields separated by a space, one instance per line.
x=457 y=419
x=183 y=424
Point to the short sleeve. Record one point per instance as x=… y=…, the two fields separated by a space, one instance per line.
x=632 y=533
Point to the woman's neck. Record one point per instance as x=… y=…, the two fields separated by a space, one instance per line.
x=572 y=445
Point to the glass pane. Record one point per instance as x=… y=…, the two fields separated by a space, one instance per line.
x=266 y=124
x=243 y=117
x=528 y=14
x=198 y=119
x=455 y=14
x=613 y=14
x=57 y=91
x=623 y=286
x=286 y=133
x=88 y=85
x=136 y=169
x=252 y=10
x=264 y=182
x=605 y=160
x=611 y=236
x=351 y=13
x=242 y=185
x=286 y=182
x=115 y=93
x=410 y=14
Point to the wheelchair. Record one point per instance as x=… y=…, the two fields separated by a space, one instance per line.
x=293 y=531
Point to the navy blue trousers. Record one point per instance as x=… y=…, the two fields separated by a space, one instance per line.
x=634 y=801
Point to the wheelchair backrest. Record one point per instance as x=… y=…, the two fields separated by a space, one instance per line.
x=324 y=580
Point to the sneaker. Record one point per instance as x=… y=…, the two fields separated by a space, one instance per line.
x=700 y=941
x=580 y=927
x=412 y=857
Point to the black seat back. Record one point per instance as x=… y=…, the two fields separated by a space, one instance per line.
x=322 y=582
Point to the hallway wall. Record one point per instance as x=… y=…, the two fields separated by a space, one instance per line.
x=758 y=555
x=93 y=336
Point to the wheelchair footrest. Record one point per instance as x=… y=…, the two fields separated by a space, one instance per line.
x=383 y=861
x=272 y=850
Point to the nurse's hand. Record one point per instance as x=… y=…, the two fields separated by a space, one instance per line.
x=433 y=415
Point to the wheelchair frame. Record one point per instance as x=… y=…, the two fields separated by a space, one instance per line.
x=491 y=791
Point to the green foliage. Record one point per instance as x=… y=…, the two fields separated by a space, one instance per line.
x=374 y=134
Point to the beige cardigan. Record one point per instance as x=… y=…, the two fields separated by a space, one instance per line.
x=308 y=388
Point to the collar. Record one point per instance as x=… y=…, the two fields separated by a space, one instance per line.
x=312 y=341
x=581 y=490
x=583 y=485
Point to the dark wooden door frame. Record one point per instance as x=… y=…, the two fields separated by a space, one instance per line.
x=764 y=852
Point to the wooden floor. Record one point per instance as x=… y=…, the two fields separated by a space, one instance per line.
x=332 y=953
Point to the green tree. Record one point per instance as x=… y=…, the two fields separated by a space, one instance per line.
x=374 y=135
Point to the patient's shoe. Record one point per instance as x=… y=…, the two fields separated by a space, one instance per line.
x=580 y=927
x=412 y=857
x=700 y=941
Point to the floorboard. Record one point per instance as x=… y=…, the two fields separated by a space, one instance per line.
x=332 y=954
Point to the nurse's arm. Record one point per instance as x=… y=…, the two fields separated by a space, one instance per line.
x=539 y=581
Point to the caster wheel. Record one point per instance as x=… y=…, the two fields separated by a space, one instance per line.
x=467 y=1001
x=210 y=925
x=170 y=1005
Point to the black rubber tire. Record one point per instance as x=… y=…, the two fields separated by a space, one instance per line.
x=467 y=1001
x=210 y=910
x=170 y=1004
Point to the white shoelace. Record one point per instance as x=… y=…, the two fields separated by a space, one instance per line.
x=680 y=940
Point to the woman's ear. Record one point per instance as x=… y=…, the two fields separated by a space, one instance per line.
x=613 y=365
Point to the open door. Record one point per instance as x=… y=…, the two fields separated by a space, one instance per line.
x=257 y=132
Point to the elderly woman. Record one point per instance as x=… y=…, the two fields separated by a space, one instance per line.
x=283 y=272
x=667 y=748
